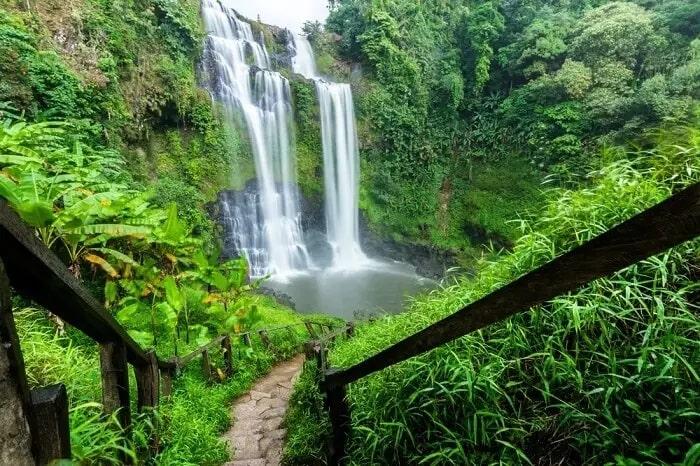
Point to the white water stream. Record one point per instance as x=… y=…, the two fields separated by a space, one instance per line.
x=266 y=230
x=341 y=160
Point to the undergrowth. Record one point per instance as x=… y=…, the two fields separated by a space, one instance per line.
x=189 y=424
x=604 y=375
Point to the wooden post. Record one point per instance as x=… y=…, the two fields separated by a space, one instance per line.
x=115 y=382
x=310 y=328
x=17 y=440
x=228 y=355
x=148 y=383
x=50 y=407
x=309 y=352
x=206 y=365
x=320 y=352
x=265 y=338
x=339 y=413
x=166 y=377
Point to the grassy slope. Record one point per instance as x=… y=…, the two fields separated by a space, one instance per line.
x=606 y=375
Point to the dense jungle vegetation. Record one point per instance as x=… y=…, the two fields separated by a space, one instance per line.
x=506 y=131
x=605 y=375
x=465 y=106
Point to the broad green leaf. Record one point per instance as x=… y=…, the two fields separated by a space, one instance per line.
x=9 y=190
x=165 y=315
x=219 y=281
x=145 y=339
x=173 y=294
x=37 y=213
x=692 y=457
x=111 y=290
x=174 y=229
x=17 y=159
x=119 y=256
x=114 y=230
x=129 y=314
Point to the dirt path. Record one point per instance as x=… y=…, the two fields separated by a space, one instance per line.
x=257 y=435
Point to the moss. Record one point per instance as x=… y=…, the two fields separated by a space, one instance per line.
x=308 y=137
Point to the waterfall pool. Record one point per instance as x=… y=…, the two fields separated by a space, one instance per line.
x=377 y=288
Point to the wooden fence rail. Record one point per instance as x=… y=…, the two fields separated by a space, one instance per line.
x=36 y=430
x=653 y=231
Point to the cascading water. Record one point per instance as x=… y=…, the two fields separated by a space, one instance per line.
x=266 y=223
x=341 y=164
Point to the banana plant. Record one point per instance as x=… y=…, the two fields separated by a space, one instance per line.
x=88 y=225
x=177 y=299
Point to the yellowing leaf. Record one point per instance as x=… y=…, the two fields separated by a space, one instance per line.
x=102 y=263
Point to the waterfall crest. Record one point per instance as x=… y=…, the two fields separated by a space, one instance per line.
x=341 y=159
x=265 y=223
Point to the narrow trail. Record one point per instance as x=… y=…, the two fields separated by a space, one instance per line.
x=257 y=436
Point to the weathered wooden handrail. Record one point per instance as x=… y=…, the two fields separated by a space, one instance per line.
x=183 y=361
x=653 y=231
x=36 y=273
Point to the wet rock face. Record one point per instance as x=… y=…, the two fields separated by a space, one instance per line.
x=282 y=298
x=429 y=261
x=313 y=217
x=282 y=54
x=479 y=235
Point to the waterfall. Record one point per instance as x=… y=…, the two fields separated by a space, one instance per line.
x=266 y=223
x=341 y=160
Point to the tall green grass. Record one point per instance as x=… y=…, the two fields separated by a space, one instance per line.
x=189 y=425
x=605 y=375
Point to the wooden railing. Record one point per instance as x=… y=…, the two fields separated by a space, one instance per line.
x=653 y=231
x=38 y=431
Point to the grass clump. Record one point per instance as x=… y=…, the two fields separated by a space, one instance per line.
x=604 y=375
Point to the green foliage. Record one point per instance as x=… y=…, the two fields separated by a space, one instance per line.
x=449 y=83
x=123 y=74
x=482 y=27
x=309 y=148
x=307 y=418
x=603 y=375
x=189 y=423
x=51 y=358
x=157 y=280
